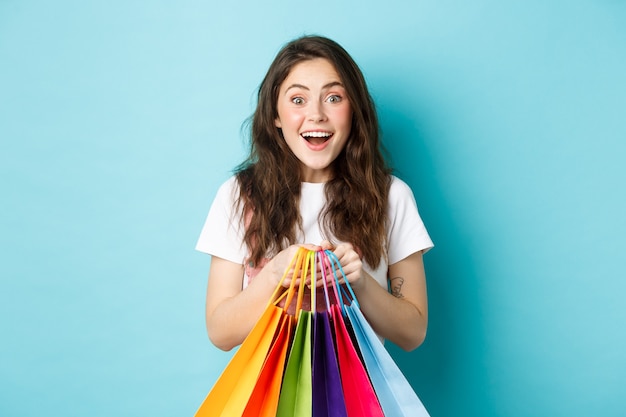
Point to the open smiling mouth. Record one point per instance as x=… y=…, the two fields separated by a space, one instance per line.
x=316 y=138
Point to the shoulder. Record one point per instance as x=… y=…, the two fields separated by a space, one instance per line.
x=229 y=189
x=399 y=190
x=398 y=184
x=227 y=196
x=406 y=231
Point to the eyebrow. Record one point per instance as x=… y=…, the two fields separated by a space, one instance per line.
x=304 y=87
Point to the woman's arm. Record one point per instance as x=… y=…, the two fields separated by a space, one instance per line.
x=231 y=312
x=400 y=316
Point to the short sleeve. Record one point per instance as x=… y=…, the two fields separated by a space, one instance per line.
x=222 y=233
x=406 y=231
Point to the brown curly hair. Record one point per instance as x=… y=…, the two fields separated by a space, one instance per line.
x=270 y=178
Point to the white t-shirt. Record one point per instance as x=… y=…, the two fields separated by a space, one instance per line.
x=222 y=234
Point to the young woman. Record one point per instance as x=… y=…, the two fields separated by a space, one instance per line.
x=315 y=177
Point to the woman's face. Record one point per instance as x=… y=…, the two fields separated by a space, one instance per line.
x=315 y=116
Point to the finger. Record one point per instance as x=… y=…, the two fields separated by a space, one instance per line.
x=310 y=246
x=319 y=283
x=326 y=245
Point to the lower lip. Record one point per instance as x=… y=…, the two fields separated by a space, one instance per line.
x=319 y=147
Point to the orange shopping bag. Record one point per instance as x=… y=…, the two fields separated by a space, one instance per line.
x=264 y=346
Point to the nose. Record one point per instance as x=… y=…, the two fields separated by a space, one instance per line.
x=316 y=112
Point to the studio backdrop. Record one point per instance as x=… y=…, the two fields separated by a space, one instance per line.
x=119 y=120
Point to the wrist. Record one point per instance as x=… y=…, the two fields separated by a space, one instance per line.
x=361 y=284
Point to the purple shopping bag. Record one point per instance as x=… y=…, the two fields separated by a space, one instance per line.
x=328 y=399
x=327 y=392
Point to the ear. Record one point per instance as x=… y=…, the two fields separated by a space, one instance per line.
x=277 y=123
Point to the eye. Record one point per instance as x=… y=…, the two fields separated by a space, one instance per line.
x=334 y=99
x=297 y=100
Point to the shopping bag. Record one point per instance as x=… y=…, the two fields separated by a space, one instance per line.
x=295 y=394
x=328 y=396
x=233 y=389
x=395 y=395
x=360 y=398
x=296 y=391
x=358 y=392
x=264 y=399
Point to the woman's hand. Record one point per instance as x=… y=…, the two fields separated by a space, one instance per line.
x=284 y=259
x=350 y=262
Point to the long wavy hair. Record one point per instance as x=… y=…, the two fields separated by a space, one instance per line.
x=270 y=178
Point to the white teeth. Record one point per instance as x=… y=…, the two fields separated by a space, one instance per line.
x=316 y=134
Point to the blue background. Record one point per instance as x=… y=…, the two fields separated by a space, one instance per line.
x=118 y=121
